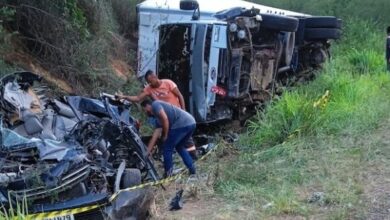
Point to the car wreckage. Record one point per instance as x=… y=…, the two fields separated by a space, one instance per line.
x=228 y=63
x=60 y=155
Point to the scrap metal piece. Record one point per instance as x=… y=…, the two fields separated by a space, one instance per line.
x=66 y=150
x=176 y=202
x=119 y=174
x=131 y=205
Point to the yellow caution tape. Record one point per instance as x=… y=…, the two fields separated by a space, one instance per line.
x=74 y=211
x=53 y=214
x=208 y=153
x=159 y=182
x=323 y=101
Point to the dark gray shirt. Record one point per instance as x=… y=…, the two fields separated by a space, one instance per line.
x=177 y=117
x=388 y=53
x=387 y=49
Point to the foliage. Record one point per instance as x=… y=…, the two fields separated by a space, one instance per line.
x=15 y=212
x=375 y=10
x=125 y=14
x=100 y=16
x=74 y=40
x=6 y=14
x=76 y=16
x=6 y=68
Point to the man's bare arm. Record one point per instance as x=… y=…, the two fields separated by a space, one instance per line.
x=138 y=98
x=165 y=123
x=155 y=136
x=177 y=92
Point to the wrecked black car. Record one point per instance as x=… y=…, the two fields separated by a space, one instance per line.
x=66 y=158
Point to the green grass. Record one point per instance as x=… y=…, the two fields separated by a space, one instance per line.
x=295 y=148
x=15 y=212
x=374 y=10
x=6 y=68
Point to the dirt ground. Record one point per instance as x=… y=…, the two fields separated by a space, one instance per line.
x=196 y=205
x=377 y=176
x=201 y=202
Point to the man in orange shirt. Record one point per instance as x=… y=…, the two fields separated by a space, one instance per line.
x=165 y=90
x=159 y=89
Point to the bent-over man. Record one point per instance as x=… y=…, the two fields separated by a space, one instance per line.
x=177 y=127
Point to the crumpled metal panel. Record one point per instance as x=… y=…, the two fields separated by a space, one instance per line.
x=58 y=150
x=262 y=70
x=199 y=108
x=235 y=73
x=12 y=140
x=218 y=41
x=131 y=205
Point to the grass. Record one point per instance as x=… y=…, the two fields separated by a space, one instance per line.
x=15 y=212
x=6 y=68
x=317 y=138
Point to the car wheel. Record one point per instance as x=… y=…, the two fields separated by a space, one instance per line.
x=280 y=23
x=130 y=177
x=323 y=22
x=322 y=33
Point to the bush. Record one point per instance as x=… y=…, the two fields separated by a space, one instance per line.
x=125 y=14
x=75 y=40
x=366 y=61
x=376 y=10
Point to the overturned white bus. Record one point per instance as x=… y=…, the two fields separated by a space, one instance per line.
x=229 y=58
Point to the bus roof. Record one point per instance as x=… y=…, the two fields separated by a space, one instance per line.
x=212 y=6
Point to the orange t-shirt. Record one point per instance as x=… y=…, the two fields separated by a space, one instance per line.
x=164 y=92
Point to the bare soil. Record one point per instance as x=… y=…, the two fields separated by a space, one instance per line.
x=377 y=177
x=27 y=62
x=194 y=207
x=375 y=198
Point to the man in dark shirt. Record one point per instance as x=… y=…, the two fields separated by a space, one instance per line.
x=165 y=90
x=177 y=127
x=388 y=49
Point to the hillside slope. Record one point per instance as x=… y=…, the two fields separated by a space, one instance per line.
x=87 y=45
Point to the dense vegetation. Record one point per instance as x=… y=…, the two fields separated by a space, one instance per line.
x=88 y=44
x=366 y=10
x=320 y=137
